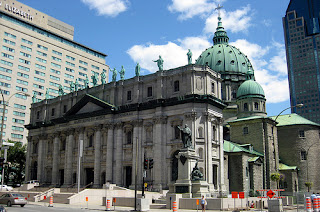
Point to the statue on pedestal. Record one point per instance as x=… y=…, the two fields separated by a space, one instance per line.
x=186 y=136
x=71 y=87
x=94 y=79
x=103 y=78
x=137 y=70
x=76 y=85
x=189 y=54
x=114 y=75
x=159 y=63
x=86 y=82
x=122 y=72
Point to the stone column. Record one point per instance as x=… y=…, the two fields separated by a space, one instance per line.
x=29 y=159
x=97 y=156
x=208 y=147
x=159 y=174
x=118 y=169
x=80 y=131
x=55 y=160
x=221 y=154
x=110 y=153
x=136 y=143
x=40 y=170
x=68 y=158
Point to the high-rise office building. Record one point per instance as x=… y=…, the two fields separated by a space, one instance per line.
x=38 y=55
x=302 y=38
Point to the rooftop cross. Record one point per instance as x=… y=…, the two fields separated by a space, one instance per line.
x=219 y=7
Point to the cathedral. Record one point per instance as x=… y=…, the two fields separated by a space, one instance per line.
x=111 y=130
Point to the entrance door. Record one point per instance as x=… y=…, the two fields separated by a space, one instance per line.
x=128 y=176
x=89 y=175
x=61 y=174
x=34 y=171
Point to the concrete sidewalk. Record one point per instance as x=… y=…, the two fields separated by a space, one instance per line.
x=127 y=209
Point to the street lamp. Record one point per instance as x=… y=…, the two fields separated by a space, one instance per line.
x=297 y=105
x=4 y=109
x=2 y=123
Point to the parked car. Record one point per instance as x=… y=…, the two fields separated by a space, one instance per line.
x=13 y=199
x=35 y=182
x=5 y=188
x=2 y=209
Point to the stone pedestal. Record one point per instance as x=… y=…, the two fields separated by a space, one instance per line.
x=199 y=189
x=187 y=159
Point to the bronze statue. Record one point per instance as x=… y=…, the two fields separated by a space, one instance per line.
x=114 y=75
x=186 y=136
x=159 y=63
x=189 y=54
x=196 y=173
x=122 y=72
x=137 y=70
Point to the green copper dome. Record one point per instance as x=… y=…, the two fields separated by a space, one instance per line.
x=225 y=58
x=250 y=88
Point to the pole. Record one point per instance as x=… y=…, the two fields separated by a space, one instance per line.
x=5 y=160
x=2 y=120
x=136 y=180
x=79 y=162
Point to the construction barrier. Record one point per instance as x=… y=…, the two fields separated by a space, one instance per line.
x=108 y=206
x=51 y=202
x=308 y=204
x=174 y=206
x=316 y=204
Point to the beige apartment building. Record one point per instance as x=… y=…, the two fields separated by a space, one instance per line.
x=38 y=54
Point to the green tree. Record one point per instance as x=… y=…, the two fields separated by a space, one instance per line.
x=308 y=185
x=277 y=177
x=16 y=160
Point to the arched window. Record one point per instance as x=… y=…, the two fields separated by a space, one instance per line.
x=90 y=143
x=213 y=133
x=212 y=87
x=35 y=147
x=200 y=132
x=245 y=106
x=63 y=144
x=176 y=86
x=256 y=106
x=176 y=132
x=129 y=137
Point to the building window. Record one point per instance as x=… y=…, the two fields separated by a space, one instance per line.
x=245 y=106
x=176 y=132
x=213 y=133
x=64 y=108
x=63 y=144
x=128 y=95
x=256 y=106
x=52 y=112
x=212 y=88
x=90 y=144
x=200 y=153
x=303 y=155
x=200 y=132
x=176 y=86
x=245 y=130
x=301 y=134
x=35 y=147
x=129 y=137
x=149 y=94
x=38 y=114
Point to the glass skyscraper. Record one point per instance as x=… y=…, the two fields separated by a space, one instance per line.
x=302 y=39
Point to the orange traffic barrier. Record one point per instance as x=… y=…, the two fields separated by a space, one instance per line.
x=316 y=204
x=308 y=204
x=51 y=202
x=174 y=206
x=108 y=205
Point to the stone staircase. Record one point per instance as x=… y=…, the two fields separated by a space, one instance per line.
x=59 y=198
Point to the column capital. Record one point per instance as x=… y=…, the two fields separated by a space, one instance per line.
x=118 y=125
x=190 y=115
x=160 y=119
x=137 y=122
x=98 y=127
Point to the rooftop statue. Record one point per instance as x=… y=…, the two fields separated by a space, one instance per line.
x=86 y=82
x=196 y=173
x=137 y=70
x=76 y=85
x=189 y=54
x=186 y=136
x=103 y=78
x=94 y=78
x=71 y=87
x=122 y=72
x=61 y=92
x=114 y=75
x=159 y=63
x=47 y=94
x=34 y=97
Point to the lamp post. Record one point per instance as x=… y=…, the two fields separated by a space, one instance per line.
x=2 y=123
x=297 y=105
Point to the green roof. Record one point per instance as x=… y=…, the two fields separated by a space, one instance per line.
x=283 y=167
x=229 y=146
x=253 y=159
x=247 y=118
x=250 y=88
x=292 y=119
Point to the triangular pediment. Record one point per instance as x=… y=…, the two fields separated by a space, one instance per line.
x=89 y=105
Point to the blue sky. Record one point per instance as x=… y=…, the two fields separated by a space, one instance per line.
x=131 y=31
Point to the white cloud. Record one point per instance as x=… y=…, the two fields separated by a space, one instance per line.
x=107 y=7
x=191 y=8
x=173 y=54
x=278 y=62
x=234 y=21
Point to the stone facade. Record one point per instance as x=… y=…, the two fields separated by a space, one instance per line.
x=119 y=119
x=299 y=146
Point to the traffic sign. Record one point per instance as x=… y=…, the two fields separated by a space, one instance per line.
x=234 y=194
x=270 y=193
x=241 y=195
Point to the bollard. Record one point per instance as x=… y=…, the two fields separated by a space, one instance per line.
x=308 y=204
x=316 y=204
x=108 y=205
x=51 y=202
x=174 y=206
